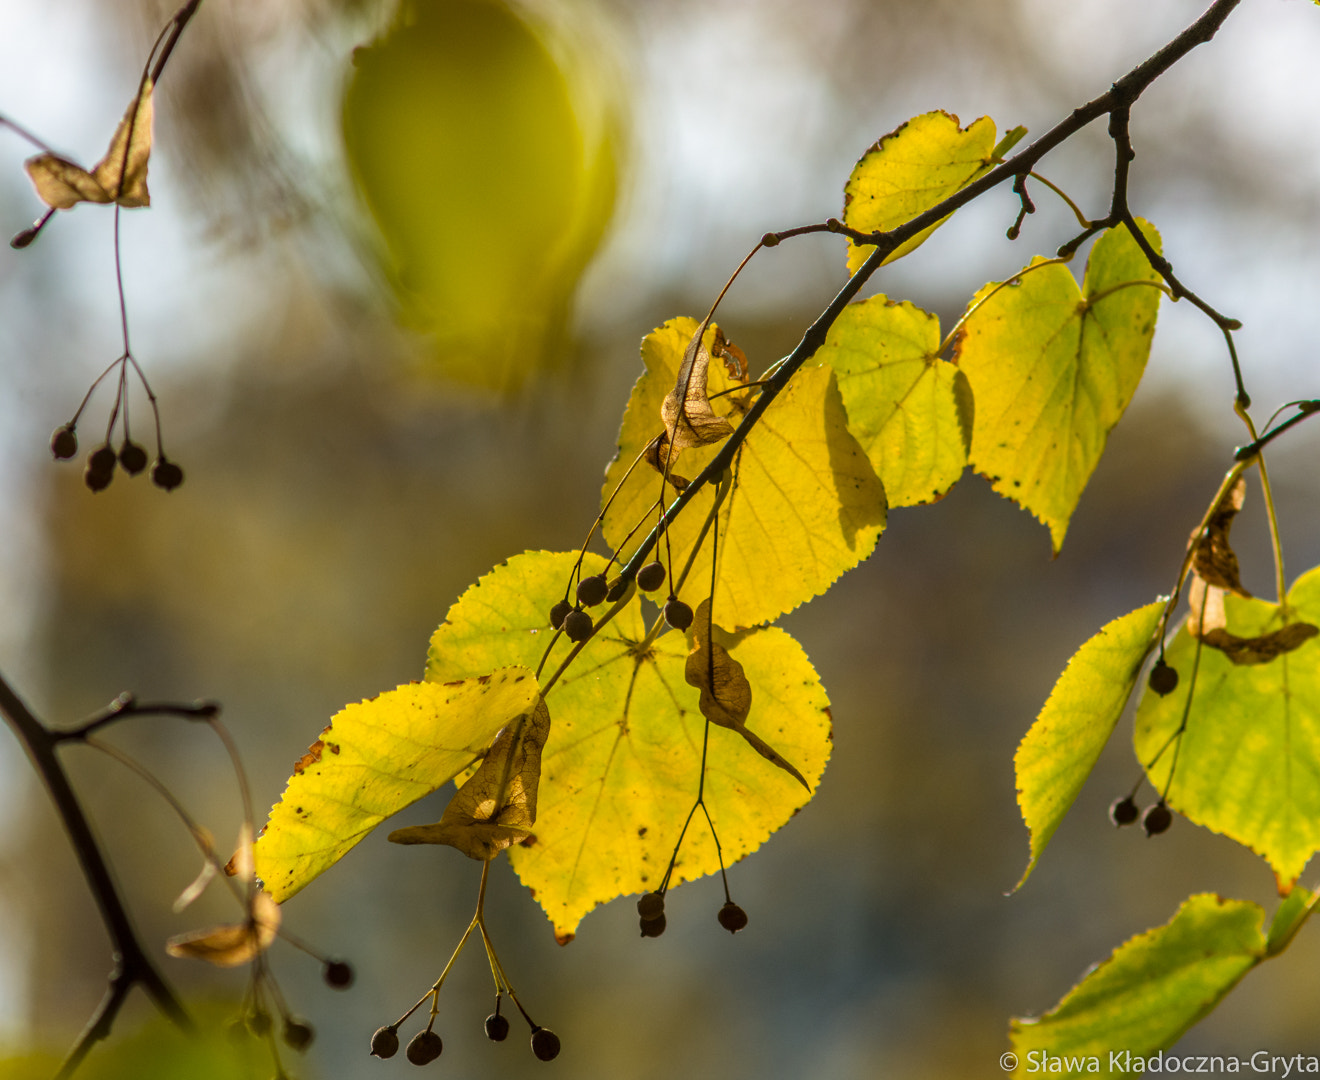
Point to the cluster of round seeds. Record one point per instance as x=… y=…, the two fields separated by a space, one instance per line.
x=651 y=910
x=102 y=462
x=424 y=1047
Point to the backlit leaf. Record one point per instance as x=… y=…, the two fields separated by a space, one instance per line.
x=374 y=759
x=496 y=805
x=1059 y=752
x=917 y=165
x=1052 y=368
x=620 y=769
x=909 y=410
x=1151 y=989
x=119 y=177
x=1249 y=763
x=804 y=504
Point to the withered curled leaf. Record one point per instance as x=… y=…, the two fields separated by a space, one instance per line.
x=1212 y=558
x=119 y=177
x=233 y=944
x=496 y=806
x=726 y=695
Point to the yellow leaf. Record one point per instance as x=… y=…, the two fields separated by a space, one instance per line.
x=233 y=944
x=914 y=167
x=496 y=806
x=804 y=504
x=376 y=758
x=622 y=763
x=1052 y=368
x=119 y=177
x=908 y=409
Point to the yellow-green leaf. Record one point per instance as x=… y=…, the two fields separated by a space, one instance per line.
x=915 y=166
x=376 y=758
x=910 y=411
x=1059 y=752
x=486 y=145
x=119 y=177
x=1052 y=369
x=1152 y=988
x=621 y=767
x=804 y=504
x=1249 y=763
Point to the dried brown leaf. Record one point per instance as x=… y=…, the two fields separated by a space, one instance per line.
x=232 y=944
x=726 y=695
x=1263 y=649
x=689 y=419
x=119 y=177
x=496 y=806
x=1212 y=558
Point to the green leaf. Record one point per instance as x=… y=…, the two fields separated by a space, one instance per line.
x=1150 y=990
x=374 y=759
x=910 y=411
x=1059 y=752
x=620 y=770
x=1249 y=763
x=1052 y=369
x=914 y=167
x=804 y=506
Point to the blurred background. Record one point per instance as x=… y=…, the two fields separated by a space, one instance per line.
x=391 y=302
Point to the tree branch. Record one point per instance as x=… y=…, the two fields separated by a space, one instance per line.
x=132 y=965
x=1119 y=98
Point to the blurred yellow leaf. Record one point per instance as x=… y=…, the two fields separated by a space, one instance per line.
x=119 y=177
x=233 y=944
x=485 y=146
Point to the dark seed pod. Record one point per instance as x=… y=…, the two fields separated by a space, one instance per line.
x=678 y=614
x=64 y=443
x=651 y=576
x=1123 y=811
x=577 y=625
x=100 y=468
x=1156 y=819
x=384 y=1043
x=497 y=1027
x=166 y=475
x=545 y=1044
x=297 y=1035
x=732 y=917
x=1163 y=678
x=654 y=927
x=338 y=974
x=424 y=1047
x=591 y=590
x=559 y=613
x=651 y=905
x=132 y=457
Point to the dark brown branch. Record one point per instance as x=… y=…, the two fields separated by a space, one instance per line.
x=132 y=965
x=1120 y=96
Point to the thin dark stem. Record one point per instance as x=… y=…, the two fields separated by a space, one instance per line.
x=132 y=965
x=1306 y=409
